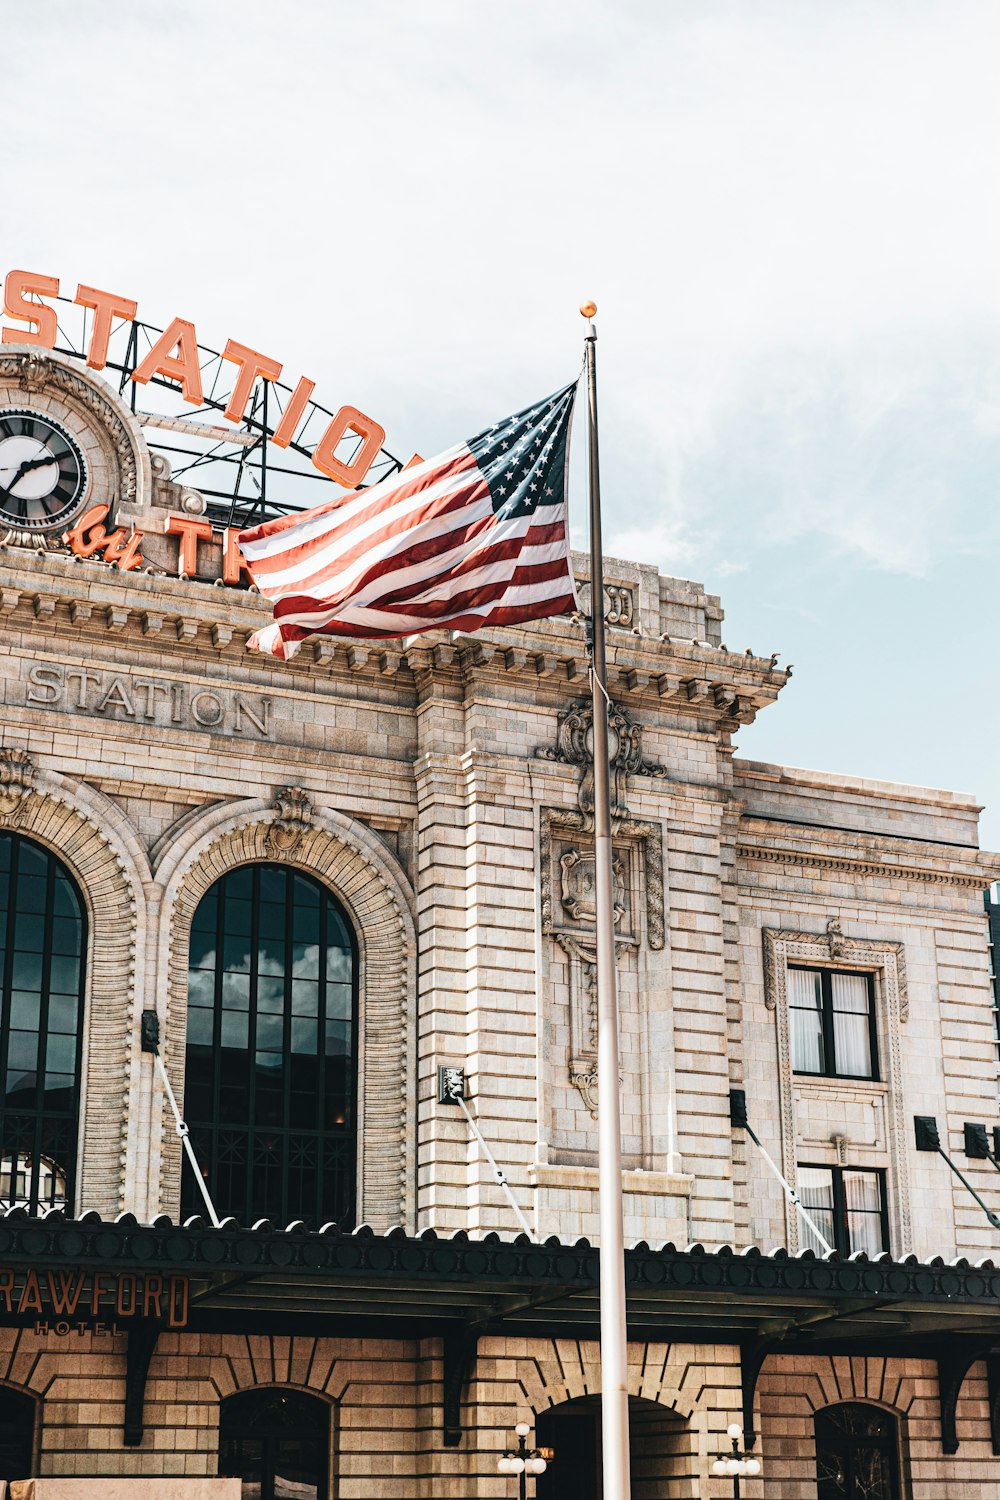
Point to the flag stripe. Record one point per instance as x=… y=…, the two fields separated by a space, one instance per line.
x=545 y=561
x=393 y=622
x=474 y=536
x=330 y=534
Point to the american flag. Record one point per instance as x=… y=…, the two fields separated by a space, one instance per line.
x=474 y=537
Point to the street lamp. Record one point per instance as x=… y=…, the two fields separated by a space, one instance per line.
x=736 y=1463
x=523 y=1460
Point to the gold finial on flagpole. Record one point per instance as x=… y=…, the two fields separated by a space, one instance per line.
x=588 y=309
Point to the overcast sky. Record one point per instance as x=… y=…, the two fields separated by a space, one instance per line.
x=787 y=214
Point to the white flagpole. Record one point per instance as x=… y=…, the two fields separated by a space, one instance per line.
x=614 y=1338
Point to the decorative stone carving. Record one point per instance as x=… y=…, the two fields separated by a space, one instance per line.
x=835 y=938
x=32 y=371
x=569 y=913
x=294 y=819
x=652 y=852
x=575 y=747
x=17 y=775
x=646 y=837
x=587 y=1084
x=619 y=603
x=579 y=885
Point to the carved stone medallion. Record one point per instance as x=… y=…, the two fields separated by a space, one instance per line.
x=17 y=775
x=294 y=818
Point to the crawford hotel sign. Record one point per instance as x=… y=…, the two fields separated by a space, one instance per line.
x=143 y=449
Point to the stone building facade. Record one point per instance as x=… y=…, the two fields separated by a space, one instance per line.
x=435 y=794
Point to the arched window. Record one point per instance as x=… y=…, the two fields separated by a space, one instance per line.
x=271 y=1074
x=857 y=1453
x=277 y=1442
x=42 y=946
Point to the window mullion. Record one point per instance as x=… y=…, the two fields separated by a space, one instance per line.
x=43 y=1041
x=873 y=1028
x=842 y=1232
x=826 y=981
x=321 y=1103
x=251 y=1209
x=214 y=1151
x=8 y=984
x=286 y=1054
x=883 y=1207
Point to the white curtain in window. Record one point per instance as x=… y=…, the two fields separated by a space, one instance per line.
x=851 y=1034
x=816 y=1191
x=863 y=1198
x=805 y=1014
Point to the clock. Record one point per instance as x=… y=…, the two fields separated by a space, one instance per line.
x=43 y=473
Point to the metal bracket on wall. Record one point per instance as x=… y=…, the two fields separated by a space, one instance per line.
x=753 y=1353
x=953 y=1364
x=451 y=1090
x=140 y=1346
x=149 y=1036
x=927 y=1138
x=460 y=1348
x=739 y=1120
x=977 y=1143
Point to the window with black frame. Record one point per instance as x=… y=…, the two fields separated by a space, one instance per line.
x=857 y=1453
x=277 y=1442
x=270 y=1079
x=831 y=1016
x=43 y=938
x=848 y=1205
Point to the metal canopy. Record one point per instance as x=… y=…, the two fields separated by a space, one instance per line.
x=315 y=1278
x=457 y=1289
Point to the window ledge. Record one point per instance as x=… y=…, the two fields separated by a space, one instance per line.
x=653 y=1184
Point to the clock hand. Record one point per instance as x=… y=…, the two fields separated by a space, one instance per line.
x=32 y=463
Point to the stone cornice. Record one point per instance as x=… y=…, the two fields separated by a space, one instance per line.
x=686 y=679
x=869 y=856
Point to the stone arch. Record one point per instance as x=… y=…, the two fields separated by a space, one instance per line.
x=793 y=1388
x=568 y=1370
x=665 y=1459
x=355 y=864
x=93 y=839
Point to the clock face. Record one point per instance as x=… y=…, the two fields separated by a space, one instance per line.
x=43 y=473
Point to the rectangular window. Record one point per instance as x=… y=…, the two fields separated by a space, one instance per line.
x=848 y=1206
x=832 y=1023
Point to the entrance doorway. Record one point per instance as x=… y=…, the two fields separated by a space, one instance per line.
x=276 y=1441
x=664 y=1452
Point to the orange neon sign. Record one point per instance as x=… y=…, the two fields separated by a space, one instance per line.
x=174 y=357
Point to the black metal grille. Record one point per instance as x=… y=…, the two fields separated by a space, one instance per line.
x=857 y=1453
x=271 y=1075
x=42 y=945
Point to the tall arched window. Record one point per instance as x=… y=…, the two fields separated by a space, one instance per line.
x=271 y=1076
x=857 y=1453
x=42 y=946
x=277 y=1441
